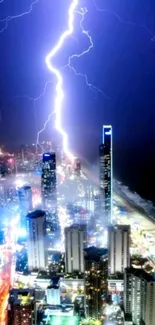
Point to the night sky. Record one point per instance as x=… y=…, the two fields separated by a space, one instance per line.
x=122 y=64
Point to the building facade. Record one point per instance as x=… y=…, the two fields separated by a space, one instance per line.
x=139 y=296
x=53 y=295
x=37 y=252
x=118 y=248
x=95 y=287
x=48 y=180
x=105 y=164
x=75 y=242
x=21 y=307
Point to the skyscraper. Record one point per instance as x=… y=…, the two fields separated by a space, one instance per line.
x=95 y=282
x=118 y=248
x=36 y=240
x=105 y=154
x=48 y=183
x=139 y=296
x=25 y=203
x=53 y=295
x=75 y=242
x=21 y=309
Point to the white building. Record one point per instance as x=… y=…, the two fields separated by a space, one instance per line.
x=115 y=286
x=53 y=295
x=36 y=240
x=139 y=296
x=118 y=248
x=75 y=242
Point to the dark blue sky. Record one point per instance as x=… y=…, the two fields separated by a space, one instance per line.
x=122 y=64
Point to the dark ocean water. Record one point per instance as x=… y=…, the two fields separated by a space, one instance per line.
x=133 y=166
x=136 y=169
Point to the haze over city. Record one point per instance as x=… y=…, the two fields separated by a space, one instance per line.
x=121 y=64
x=77 y=215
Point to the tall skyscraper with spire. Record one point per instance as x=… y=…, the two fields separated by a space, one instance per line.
x=48 y=180
x=105 y=162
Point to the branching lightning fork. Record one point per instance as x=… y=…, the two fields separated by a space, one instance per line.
x=34 y=100
x=82 y=12
x=73 y=9
x=124 y=21
x=9 y=18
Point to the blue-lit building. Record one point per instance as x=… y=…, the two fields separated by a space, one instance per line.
x=25 y=203
x=105 y=161
x=48 y=180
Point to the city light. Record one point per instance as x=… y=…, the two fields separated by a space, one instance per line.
x=77 y=247
x=21 y=233
x=19 y=183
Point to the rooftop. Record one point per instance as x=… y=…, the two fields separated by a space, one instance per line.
x=25 y=188
x=36 y=214
x=140 y=273
x=77 y=226
x=94 y=253
x=119 y=227
x=22 y=296
x=63 y=320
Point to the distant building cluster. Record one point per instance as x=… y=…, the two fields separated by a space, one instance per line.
x=74 y=263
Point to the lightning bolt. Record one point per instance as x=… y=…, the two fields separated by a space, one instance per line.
x=73 y=9
x=83 y=12
x=9 y=18
x=124 y=21
x=59 y=86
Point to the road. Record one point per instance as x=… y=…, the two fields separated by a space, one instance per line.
x=7 y=272
x=139 y=222
x=134 y=215
x=142 y=229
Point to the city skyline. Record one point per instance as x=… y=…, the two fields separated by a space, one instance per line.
x=77 y=210
x=73 y=256
x=126 y=107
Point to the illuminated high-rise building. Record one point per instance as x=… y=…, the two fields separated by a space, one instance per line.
x=48 y=182
x=21 y=307
x=95 y=282
x=139 y=297
x=75 y=242
x=105 y=155
x=37 y=252
x=25 y=203
x=118 y=248
x=53 y=295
